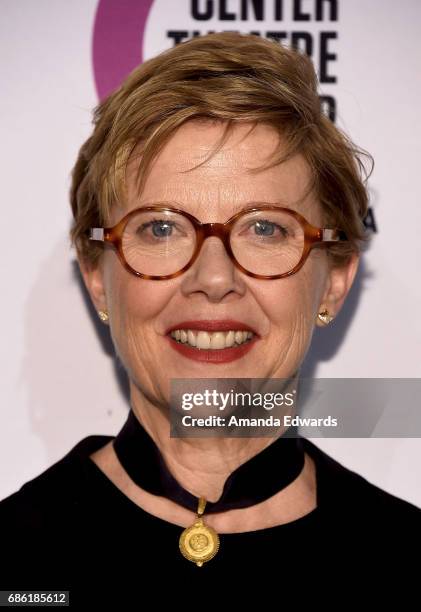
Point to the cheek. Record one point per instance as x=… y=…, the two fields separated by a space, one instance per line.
x=290 y=301
x=133 y=298
x=291 y=306
x=135 y=306
x=139 y=301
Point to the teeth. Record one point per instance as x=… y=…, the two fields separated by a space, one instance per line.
x=191 y=338
x=217 y=340
x=239 y=337
x=211 y=340
x=230 y=338
x=203 y=340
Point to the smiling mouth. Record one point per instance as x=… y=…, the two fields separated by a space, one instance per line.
x=212 y=340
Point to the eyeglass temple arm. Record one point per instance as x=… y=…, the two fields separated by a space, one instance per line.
x=333 y=235
x=96 y=233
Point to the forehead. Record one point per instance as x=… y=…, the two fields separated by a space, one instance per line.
x=223 y=184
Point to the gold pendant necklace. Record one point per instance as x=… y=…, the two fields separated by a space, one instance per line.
x=199 y=542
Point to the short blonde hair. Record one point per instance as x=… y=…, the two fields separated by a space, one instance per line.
x=232 y=78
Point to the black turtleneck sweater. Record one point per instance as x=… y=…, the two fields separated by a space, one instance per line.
x=72 y=529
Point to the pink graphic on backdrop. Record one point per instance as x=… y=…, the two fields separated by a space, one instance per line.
x=117 y=46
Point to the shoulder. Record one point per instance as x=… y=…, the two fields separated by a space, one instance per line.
x=37 y=503
x=348 y=492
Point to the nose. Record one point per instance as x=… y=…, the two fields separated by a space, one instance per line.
x=213 y=273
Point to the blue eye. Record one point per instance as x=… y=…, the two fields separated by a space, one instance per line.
x=267 y=228
x=160 y=228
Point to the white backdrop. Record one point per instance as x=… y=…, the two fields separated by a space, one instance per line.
x=58 y=380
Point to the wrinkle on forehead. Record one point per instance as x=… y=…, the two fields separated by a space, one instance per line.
x=224 y=180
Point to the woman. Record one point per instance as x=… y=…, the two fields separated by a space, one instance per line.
x=218 y=217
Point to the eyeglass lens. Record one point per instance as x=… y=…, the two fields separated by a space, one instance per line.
x=263 y=242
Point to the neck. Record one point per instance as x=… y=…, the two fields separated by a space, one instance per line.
x=200 y=465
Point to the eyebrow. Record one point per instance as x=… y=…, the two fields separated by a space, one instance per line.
x=241 y=206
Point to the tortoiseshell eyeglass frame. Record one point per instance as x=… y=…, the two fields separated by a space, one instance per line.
x=313 y=236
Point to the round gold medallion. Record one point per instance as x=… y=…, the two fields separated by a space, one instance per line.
x=199 y=543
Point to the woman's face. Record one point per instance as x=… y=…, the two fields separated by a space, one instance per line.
x=281 y=312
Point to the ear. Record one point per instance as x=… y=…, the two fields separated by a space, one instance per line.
x=93 y=277
x=339 y=282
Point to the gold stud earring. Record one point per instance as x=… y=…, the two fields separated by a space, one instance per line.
x=103 y=315
x=325 y=317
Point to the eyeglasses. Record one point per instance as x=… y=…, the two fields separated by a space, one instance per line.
x=265 y=242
